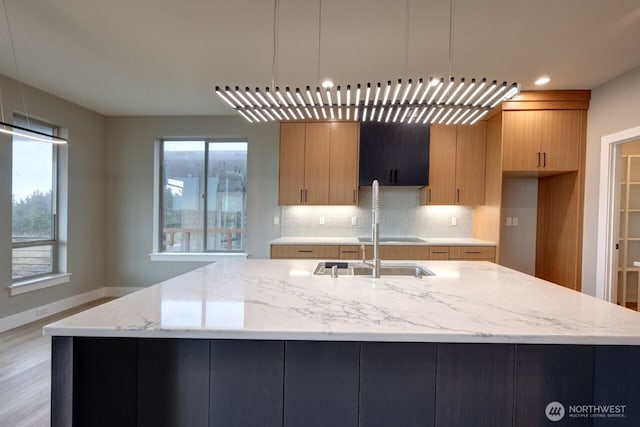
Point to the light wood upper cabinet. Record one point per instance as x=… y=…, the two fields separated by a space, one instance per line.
x=318 y=163
x=456 y=165
x=292 y=168
x=442 y=166
x=470 y=164
x=542 y=140
x=343 y=163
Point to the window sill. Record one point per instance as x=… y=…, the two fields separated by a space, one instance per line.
x=29 y=285
x=193 y=256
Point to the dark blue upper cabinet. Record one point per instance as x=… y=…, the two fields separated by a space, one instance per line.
x=394 y=154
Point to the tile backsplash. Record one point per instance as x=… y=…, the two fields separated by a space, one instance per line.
x=400 y=216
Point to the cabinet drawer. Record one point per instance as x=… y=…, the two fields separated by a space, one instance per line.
x=439 y=252
x=472 y=252
x=404 y=252
x=350 y=252
x=305 y=251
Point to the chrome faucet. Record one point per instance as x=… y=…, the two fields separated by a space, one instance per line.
x=375 y=228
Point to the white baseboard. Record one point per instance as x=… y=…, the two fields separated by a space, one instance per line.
x=55 y=307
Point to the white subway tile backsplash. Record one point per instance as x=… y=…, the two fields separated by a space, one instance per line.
x=400 y=215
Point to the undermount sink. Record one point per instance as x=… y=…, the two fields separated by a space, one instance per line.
x=360 y=269
x=393 y=240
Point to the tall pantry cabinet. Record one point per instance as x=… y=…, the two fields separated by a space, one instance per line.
x=541 y=135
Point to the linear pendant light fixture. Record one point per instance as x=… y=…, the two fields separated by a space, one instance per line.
x=448 y=102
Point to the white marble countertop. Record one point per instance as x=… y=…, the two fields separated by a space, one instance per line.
x=428 y=241
x=467 y=301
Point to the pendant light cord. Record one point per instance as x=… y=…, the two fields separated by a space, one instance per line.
x=451 y=40
x=15 y=60
x=276 y=33
x=406 y=44
x=319 y=36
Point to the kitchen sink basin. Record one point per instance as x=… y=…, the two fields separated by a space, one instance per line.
x=393 y=240
x=360 y=269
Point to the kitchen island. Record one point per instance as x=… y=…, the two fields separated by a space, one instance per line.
x=266 y=342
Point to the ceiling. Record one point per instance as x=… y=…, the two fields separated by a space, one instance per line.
x=164 y=57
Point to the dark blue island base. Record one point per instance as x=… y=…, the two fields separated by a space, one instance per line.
x=195 y=382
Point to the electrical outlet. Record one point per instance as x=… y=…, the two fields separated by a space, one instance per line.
x=515 y=221
x=276 y=220
x=354 y=220
x=321 y=220
x=509 y=221
x=454 y=221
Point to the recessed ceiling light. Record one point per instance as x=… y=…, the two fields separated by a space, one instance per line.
x=327 y=84
x=542 y=81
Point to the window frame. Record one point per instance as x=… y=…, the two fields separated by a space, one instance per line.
x=54 y=241
x=205 y=254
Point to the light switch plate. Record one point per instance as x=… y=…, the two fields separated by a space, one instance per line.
x=321 y=220
x=515 y=221
x=454 y=221
x=276 y=220
x=509 y=221
x=354 y=220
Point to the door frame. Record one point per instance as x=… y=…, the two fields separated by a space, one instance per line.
x=606 y=265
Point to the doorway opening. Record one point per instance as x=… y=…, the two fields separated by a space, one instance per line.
x=612 y=221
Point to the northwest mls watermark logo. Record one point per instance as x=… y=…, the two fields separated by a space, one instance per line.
x=555 y=411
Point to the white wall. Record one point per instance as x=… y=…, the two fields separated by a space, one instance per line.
x=129 y=187
x=85 y=246
x=518 y=243
x=615 y=106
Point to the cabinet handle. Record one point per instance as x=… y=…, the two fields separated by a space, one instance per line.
x=458 y=195
x=471 y=252
x=349 y=252
x=429 y=195
x=301 y=195
x=303 y=251
x=538 y=159
x=439 y=252
x=390 y=176
x=354 y=195
x=306 y=195
x=395 y=177
x=544 y=159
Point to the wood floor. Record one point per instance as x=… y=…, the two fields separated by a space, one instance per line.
x=25 y=364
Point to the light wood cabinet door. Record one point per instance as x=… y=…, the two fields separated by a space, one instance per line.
x=343 y=163
x=351 y=252
x=542 y=141
x=470 y=164
x=292 y=148
x=442 y=167
x=439 y=252
x=316 y=163
x=487 y=253
x=521 y=134
x=560 y=139
x=404 y=252
x=305 y=251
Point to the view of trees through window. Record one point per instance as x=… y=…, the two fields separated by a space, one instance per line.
x=204 y=196
x=33 y=204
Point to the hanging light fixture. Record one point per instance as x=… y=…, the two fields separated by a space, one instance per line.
x=11 y=129
x=450 y=102
x=476 y=103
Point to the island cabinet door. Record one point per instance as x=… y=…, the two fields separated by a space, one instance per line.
x=552 y=373
x=397 y=384
x=321 y=384
x=474 y=385
x=173 y=382
x=246 y=383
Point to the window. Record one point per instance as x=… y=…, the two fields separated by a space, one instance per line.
x=203 y=200
x=33 y=219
